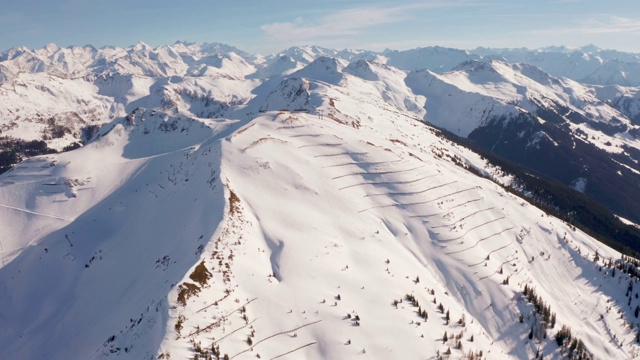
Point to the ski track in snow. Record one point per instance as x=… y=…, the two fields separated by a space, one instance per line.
x=34 y=212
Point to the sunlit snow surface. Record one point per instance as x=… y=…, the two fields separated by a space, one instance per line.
x=283 y=226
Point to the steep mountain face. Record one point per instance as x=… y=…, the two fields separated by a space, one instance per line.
x=350 y=229
x=624 y=99
x=555 y=126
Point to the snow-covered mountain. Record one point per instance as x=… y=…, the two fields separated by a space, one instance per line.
x=366 y=235
x=588 y=64
x=508 y=89
x=62 y=95
x=56 y=98
x=228 y=204
x=555 y=126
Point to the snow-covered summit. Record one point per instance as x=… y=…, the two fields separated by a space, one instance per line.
x=324 y=68
x=138 y=59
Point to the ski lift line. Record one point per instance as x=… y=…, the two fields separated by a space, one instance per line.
x=427 y=216
x=518 y=271
x=25 y=175
x=477 y=242
x=362 y=163
x=306 y=135
x=240 y=328
x=316 y=135
x=389 y=182
x=323 y=144
x=473 y=228
x=274 y=335
x=474 y=213
x=499 y=266
x=454 y=193
x=489 y=253
x=213 y=303
x=463 y=218
x=416 y=203
x=464 y=203
x=438 y=198
x=436 y=227
x=221 y=319
x=500 y=248
x=340 y=154
x=378 y=173
x=339 y=165
x=412 y=193
x=34 y=213
x=294 y=350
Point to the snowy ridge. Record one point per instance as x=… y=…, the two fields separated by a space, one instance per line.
x=140 y=59
x=496 y=88
x=587 y=64
x=292 y=234
x=62 y=95
x=143 y=71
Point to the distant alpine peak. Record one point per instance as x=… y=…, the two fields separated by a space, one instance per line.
x=140 y=46
x=477 y=65
x=51 y=47
x=323 y=68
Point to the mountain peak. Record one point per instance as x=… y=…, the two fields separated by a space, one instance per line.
x=362 y=69
x=323 y=68
x=489 y=65
x=51 y=47
x=590 y=49
x=140 y=46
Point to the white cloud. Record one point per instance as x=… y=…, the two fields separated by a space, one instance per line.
x=342 y=24
x=607 y=25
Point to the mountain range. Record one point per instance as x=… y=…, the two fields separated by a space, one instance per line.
x=198 y=201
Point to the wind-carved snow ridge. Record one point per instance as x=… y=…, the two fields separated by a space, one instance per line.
x=311 y=215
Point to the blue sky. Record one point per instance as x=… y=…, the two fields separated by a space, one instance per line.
x=267 y=26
